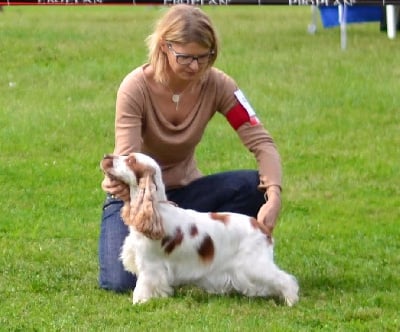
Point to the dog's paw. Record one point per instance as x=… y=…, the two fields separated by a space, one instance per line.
x=136 y=301
x=143 y=294
x=291 y=292
x=291 y=300
x=140 y=297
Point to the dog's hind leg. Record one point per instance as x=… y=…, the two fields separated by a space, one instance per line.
x=277 y=282
x=266 y=279
x=289 y=288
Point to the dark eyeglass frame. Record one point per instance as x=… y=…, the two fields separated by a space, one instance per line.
x=187 y=59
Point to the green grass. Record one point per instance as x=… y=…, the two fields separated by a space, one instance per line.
x=335 y=116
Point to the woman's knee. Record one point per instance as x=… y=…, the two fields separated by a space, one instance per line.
x=112 y=275
x=118 y=282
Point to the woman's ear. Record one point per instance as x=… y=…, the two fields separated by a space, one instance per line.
x=163 y=46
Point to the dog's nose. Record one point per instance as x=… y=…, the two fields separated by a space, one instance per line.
x=107 y=163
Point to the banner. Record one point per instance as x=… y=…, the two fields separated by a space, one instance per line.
x=201 y=2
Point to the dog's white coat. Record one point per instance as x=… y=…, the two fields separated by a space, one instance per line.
x=242 y=256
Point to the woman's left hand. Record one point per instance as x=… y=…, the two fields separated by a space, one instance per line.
x=269 y=212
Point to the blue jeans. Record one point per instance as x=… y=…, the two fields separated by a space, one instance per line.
x=234 y=191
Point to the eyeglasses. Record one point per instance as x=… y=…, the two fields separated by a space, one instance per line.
x=187 y=59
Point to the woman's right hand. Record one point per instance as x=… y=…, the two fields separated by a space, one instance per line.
x=116 y=188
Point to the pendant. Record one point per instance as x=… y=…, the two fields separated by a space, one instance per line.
x=175 y=98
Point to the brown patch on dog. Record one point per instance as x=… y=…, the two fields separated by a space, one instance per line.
x=106 y=162
x=206 y=249
x=106 y=165
x=222 y=217
x=169 y=243
x=138 y=169
x=264 y=229
x=193 y=230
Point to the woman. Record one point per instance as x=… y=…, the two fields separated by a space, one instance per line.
x=162 y=109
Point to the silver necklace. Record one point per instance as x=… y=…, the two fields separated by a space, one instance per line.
x=176 y=97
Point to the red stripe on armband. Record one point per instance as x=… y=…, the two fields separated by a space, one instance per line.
x=238 y=115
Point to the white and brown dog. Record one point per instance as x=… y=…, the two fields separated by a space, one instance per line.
x=169 y=246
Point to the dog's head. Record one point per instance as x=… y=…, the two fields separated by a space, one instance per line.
x=129 y=168
x=143 y=175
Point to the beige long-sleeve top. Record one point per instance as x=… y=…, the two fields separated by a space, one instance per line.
x=141 y=127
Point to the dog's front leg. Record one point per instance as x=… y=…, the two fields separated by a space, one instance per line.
x=128 y=254
x=150 y=285
x=142 y=292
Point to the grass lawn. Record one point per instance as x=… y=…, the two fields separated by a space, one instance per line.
x=335 y=116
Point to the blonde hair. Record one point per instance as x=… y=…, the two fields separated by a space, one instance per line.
x=180 y=24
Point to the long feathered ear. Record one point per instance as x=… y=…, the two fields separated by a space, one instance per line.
x=125 y=212
x=143 y=214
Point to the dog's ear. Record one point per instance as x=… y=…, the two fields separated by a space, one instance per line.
x=142 y=213
x=125 y=212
